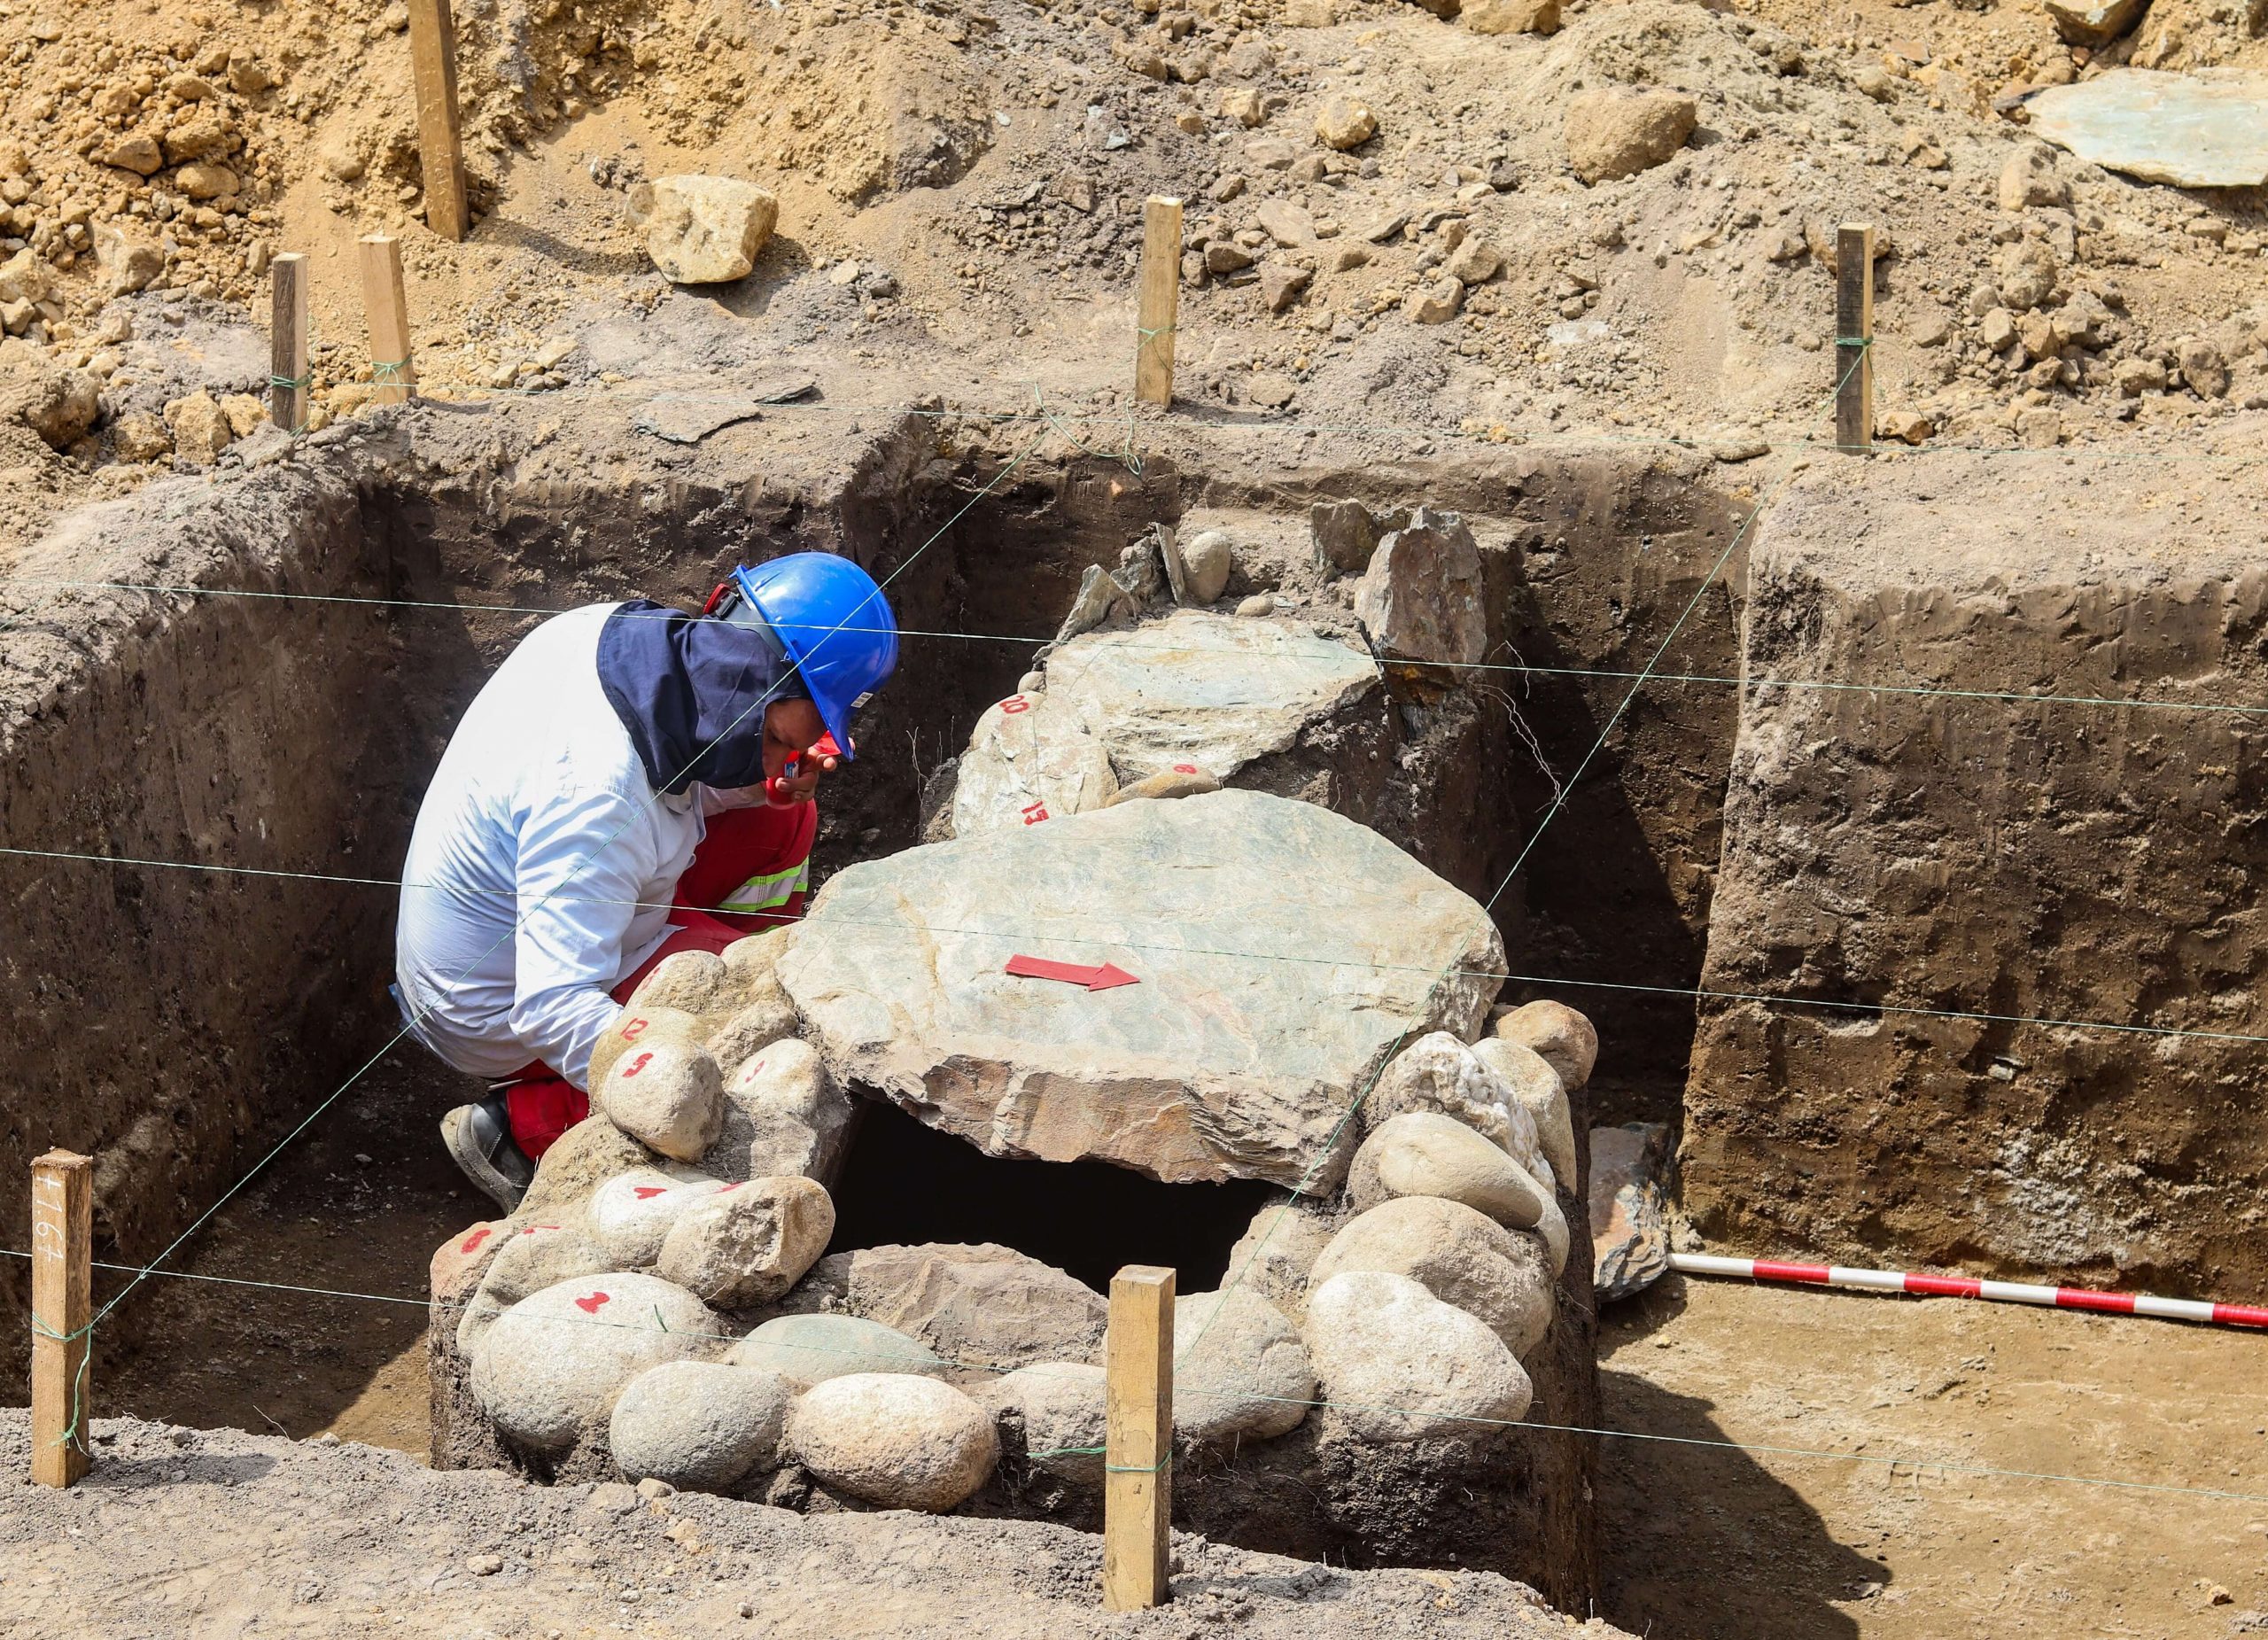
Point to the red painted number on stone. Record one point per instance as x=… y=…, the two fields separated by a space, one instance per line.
x=1033 y=813
x=1014 y=704
x=1184 y=768
x=474 y=1239
x=647 y=1191
x=638 y=1064
x=590 y=1305
x=635 y=1028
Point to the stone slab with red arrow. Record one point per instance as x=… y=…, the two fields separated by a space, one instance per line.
x=1097 y=976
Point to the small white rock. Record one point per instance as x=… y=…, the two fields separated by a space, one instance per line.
x=1540 y=1090
x=1461 y=1256
x=1206 y=559
x=1063 y=1405
x=1396 y=1364
x=690 y=983
x=783 y=1114
x=892 y=1439
x=1423 y=1153
x=698 y=1424
x=1439 y=1073
x=1240 y=1369
x=551 y=1366
x=1567 y=1040
x=669 y=1097
x=748 y=1244
x=630 y=1216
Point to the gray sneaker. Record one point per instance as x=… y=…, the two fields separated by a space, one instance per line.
x=479 y=1139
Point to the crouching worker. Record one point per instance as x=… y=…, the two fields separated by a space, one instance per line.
x=633 y=782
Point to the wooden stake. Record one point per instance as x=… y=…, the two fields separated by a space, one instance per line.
x=386 y=305
x=1137 y=1475
x=440 y=148
x=63 y=1238
x=288 y=394
x=1161 y=300
x=1854 y=330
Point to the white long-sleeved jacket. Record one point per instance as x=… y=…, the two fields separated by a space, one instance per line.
x=541 y=865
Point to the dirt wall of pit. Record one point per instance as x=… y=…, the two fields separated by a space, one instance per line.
x=156 y=1014
x=2059 y=861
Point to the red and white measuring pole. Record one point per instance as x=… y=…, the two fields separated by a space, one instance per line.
x=1969 y=1287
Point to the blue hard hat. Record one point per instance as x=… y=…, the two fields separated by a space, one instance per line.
x=836 y=626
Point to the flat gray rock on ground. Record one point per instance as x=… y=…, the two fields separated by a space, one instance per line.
x=1282 y=951
x=219 y=1532
x=2203 y=130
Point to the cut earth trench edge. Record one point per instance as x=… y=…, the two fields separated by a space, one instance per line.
x=1057 y=551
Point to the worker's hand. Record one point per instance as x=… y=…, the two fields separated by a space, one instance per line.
x=799 y=779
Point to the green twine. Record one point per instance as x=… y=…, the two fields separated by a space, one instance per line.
x=1096 y=1451
x=75 y=1433
x=1860 y=345
x=388 y=373
x=297 y=384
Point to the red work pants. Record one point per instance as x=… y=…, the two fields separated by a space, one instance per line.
x=747 y=857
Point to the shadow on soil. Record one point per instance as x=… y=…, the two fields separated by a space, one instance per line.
x=355 y=1205
x=1701 y=1543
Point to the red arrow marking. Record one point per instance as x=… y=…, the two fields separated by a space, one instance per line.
x=647 y=1192
x=1100 y=978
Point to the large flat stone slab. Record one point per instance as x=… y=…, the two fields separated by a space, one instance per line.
x=2206 y=130
x=1193 y=691
x=1204 y=688
x=1283 y=951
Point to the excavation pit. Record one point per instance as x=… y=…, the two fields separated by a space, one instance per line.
x=417 y=550
x=237 y=732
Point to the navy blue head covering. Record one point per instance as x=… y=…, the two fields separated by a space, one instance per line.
x=692 y=693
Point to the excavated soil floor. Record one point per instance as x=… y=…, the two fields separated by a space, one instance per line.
x=1698 y=1543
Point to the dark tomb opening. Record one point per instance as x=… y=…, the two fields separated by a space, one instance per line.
x=905 y=1182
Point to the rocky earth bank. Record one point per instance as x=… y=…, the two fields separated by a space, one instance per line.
x=1495 y=222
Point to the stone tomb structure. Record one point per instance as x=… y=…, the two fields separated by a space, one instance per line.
x=1311 y=1011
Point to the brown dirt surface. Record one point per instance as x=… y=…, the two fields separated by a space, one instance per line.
x=960 y=184
x=355 y=1205
x=1818 y=1547
x=179 y=1533
x=1704 y=1543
